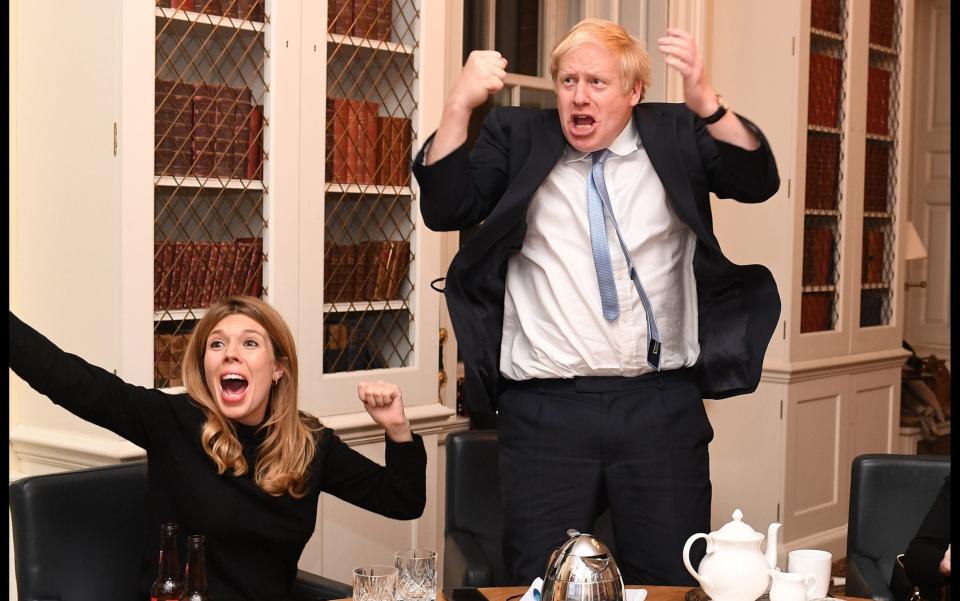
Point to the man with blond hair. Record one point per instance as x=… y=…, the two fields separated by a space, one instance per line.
x=593 y=307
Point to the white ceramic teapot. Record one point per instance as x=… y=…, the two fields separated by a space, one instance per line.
x=734 y=568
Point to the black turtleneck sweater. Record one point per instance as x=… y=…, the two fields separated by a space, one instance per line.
x=254 y=540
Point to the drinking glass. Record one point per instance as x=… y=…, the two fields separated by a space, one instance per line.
x=375 y=583
x=418 y=574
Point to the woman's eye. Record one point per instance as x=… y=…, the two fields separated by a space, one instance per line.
x=251 y=343
x=216 y=344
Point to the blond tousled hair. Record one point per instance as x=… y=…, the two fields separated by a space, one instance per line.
x=284 y=456
x=634 y=59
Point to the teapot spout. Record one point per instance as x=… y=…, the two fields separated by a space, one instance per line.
x=773 y=540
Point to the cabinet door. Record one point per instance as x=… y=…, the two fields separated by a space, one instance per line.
x=365 y=260
x=211 y=129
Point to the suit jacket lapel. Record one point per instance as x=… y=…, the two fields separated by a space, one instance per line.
x=660 y=140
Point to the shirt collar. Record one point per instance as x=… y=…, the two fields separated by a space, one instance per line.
x=626 y=142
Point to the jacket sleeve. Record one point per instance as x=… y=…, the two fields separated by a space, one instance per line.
x=85 y=390
x=926 y=549
x=397 y=490
x=737 y=173
x=460 y=189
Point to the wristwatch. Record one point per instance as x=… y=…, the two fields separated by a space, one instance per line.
x=717 y=114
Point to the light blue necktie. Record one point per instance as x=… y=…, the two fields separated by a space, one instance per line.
x=597 y=200
x=598 y=238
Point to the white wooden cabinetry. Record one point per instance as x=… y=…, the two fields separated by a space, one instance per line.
x=87 y=205
x=831 y=390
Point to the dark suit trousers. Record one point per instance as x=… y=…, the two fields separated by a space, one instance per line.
x=569 y=448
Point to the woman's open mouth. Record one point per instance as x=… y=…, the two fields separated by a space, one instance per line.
x=232 y=387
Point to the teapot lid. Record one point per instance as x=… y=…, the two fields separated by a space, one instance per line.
x=737 y=530
x=582 y=559
x=583 y=545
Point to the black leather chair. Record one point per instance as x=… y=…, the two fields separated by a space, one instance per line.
x=79 y=535
x=472 y=551
x=889 y=497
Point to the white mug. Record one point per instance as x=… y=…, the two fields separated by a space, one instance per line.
x=812 y=562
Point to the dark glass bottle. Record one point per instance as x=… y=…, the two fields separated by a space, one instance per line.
x=196 y=589
x=169 y=585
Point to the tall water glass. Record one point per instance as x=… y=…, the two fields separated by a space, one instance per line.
x=375 y=583
x=418 y=574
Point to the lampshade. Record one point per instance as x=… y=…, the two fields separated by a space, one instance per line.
x=913 y=246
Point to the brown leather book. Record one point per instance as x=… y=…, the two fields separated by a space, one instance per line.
x=255 y=144
x=339 y=260
x=403 y=130
x=384 y=265
x=397 y=269
x=254 y=279
x=158 y=300
x=364 y=18
x=352 y=140
x=878 y=100
x=366 y=147
x=166 y=275
x=193 y=290
x=198 y=279
x=218 y=280
x=823 y=105
x=181 y=4
x=339 y=16
x=225 y=102
x=240 y=141
x=210 y=7
x=341 y=136
x=249 y=10
x=210 y=276
x=204 y=126
x=181 y=267
x=173 y=122
x=241 y=265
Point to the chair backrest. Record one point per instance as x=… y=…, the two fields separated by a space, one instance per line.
x=889 y=497
x=80 y=535
x=473 y=504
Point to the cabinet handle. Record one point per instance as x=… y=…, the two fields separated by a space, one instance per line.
x=909 y=285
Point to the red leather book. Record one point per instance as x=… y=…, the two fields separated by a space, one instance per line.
x=158 y=300
x=173 y=121
x=823 y=171
x=878 y=100
x=383 y=22
x=181 y=268
x=342 y=131
x=381 y=175
x=339 y=261
x=181 y=4
x=253 y=277
x=339 y=16
x=240 y=145
x=255 y=144
x=825 y=14
x=817 y=256
x=352 y=140
x=364 y=18
x=398 y=268
x=815 y=311
x=238 y=274
x=873 y=246
x=193 y=290
x=823 y=106
x=225 y=262
x=875 y=176
x=403 y=149
x=881 y=22
x=210 y=7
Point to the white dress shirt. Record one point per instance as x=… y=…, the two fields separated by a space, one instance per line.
x=553 y=325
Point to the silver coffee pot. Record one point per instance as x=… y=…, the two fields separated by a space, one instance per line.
x=582 y=569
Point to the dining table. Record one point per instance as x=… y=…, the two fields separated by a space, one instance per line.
x=654 y=593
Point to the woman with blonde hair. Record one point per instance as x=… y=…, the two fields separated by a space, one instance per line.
x=233 y=458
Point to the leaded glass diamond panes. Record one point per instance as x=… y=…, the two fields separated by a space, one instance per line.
x=823 y=195
x=880 y=169
x=209 y=162
x=369 y=210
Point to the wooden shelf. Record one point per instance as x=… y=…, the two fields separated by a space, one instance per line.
x=191 y=181
x=823 y=33
x=883 y=49
x=877 y=286
x=362 y=306
x=819 y=288
x=822 y=212
x=209 y=20
x=178 y=314
x=824 y=129
x=880 y=137
x=371 y=189
x=378 y=45
x=877 y=215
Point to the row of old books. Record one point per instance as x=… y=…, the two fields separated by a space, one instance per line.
x=349 y=346
x=248 y=10
x=816 y=311
x=168 y=351
x=875 y=176
x=365 y=148
x=369 y=270
x=878 y=100
x=825 y=15
x=874 y=245
x=207 y=130
x=189 y=275
x=370 y=19
x=823 y=98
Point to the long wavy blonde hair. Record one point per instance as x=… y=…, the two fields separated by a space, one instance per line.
x=284 y=456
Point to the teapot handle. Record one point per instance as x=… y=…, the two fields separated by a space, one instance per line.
x=703 y=580
x=811 y=582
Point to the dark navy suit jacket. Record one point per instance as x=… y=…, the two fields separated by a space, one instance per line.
x=738 y=305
